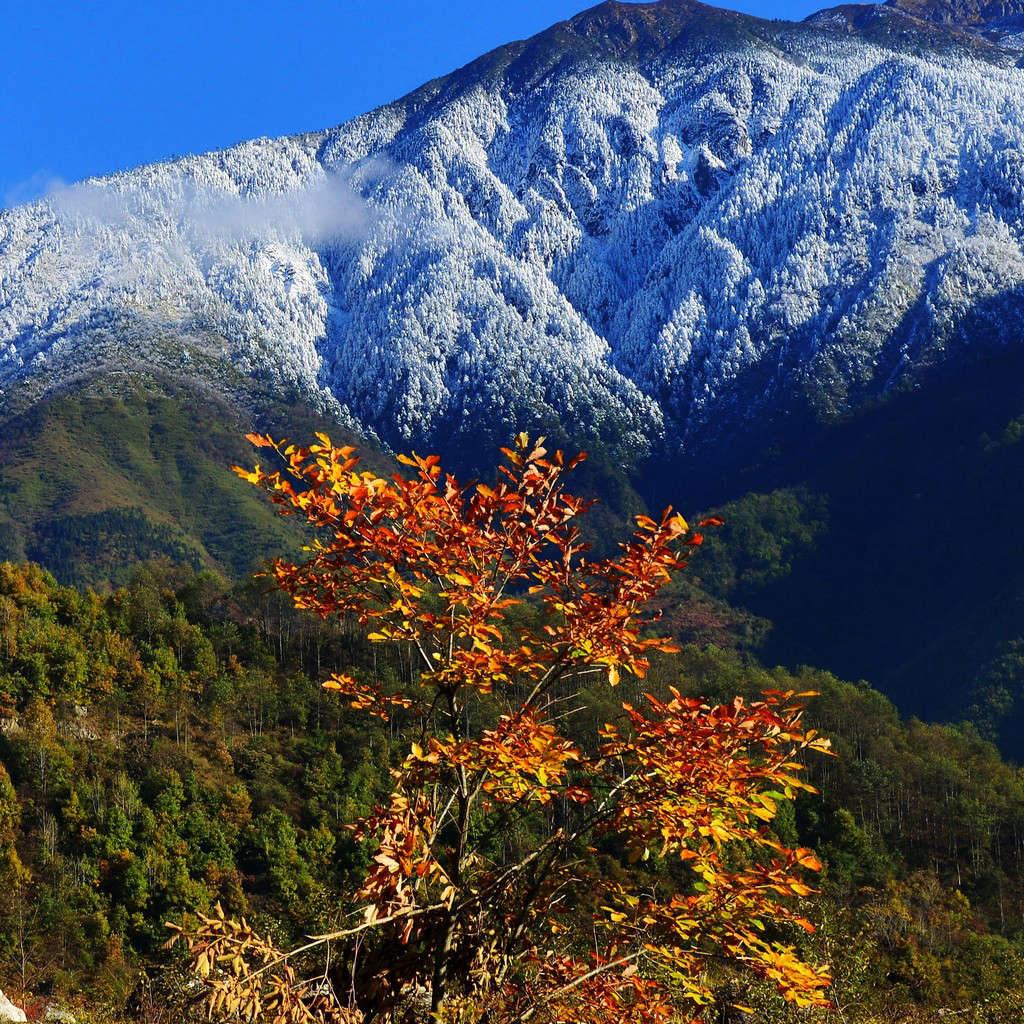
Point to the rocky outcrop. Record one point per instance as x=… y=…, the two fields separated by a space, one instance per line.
x=961 y=12
x=10 y=1012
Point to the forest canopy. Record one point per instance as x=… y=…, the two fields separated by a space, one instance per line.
x=168 y=747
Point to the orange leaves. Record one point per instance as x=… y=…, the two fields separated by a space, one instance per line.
x=437 y=568
x=705 y=778
x=365 y=697
x=807 y=859
x=524 y=757
x=727 y=910
x=260 y=440
x=677 y=527
x=521 y=758
x=396 y=545
x=401 y=834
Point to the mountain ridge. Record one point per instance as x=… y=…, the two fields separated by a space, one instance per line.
x=702 y=246
x=961 y=12
x=556 y=193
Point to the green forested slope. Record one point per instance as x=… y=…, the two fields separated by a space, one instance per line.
x=890 y=550
x=167 y=745
x=94 y=482
x=884 y=548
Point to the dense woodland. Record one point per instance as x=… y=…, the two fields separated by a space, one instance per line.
x=167 y=745
x=852 y=192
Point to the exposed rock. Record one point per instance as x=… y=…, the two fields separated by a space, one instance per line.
x=10 y=1012
x=59 y=1015
x=961 y=12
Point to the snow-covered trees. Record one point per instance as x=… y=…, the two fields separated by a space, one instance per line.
x=607 y=242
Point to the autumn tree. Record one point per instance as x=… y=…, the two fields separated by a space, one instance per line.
x=485 y=899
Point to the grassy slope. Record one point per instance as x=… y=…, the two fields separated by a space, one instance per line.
x=95 y=481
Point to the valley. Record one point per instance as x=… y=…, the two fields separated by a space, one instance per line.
x=766 y=271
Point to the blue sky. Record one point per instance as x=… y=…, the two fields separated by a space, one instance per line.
x=94 y=86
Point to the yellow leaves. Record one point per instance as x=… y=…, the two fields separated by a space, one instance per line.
x=234 y=960
x=341 y=684
x=677 y=526
x=367 y=697
x=253 y=476
x=433 y=566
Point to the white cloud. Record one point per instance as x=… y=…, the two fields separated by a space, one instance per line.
x=327 y=209
x=35 y=186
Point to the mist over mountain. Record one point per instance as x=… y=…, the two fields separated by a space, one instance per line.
x=656 y=225
x=773 y=265
x=767 y=272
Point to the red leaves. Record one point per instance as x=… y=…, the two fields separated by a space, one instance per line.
x=599 y=990
x=472 y=545
x=439 y=566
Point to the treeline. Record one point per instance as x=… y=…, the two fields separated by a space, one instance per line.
x=168 y=745
x=163 y=750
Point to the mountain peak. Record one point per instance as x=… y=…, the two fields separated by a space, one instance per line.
x=634 y=25
x=961 y=12
x=656 y=227
x=639 y=30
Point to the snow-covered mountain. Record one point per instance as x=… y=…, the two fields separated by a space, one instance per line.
x=650 y=224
